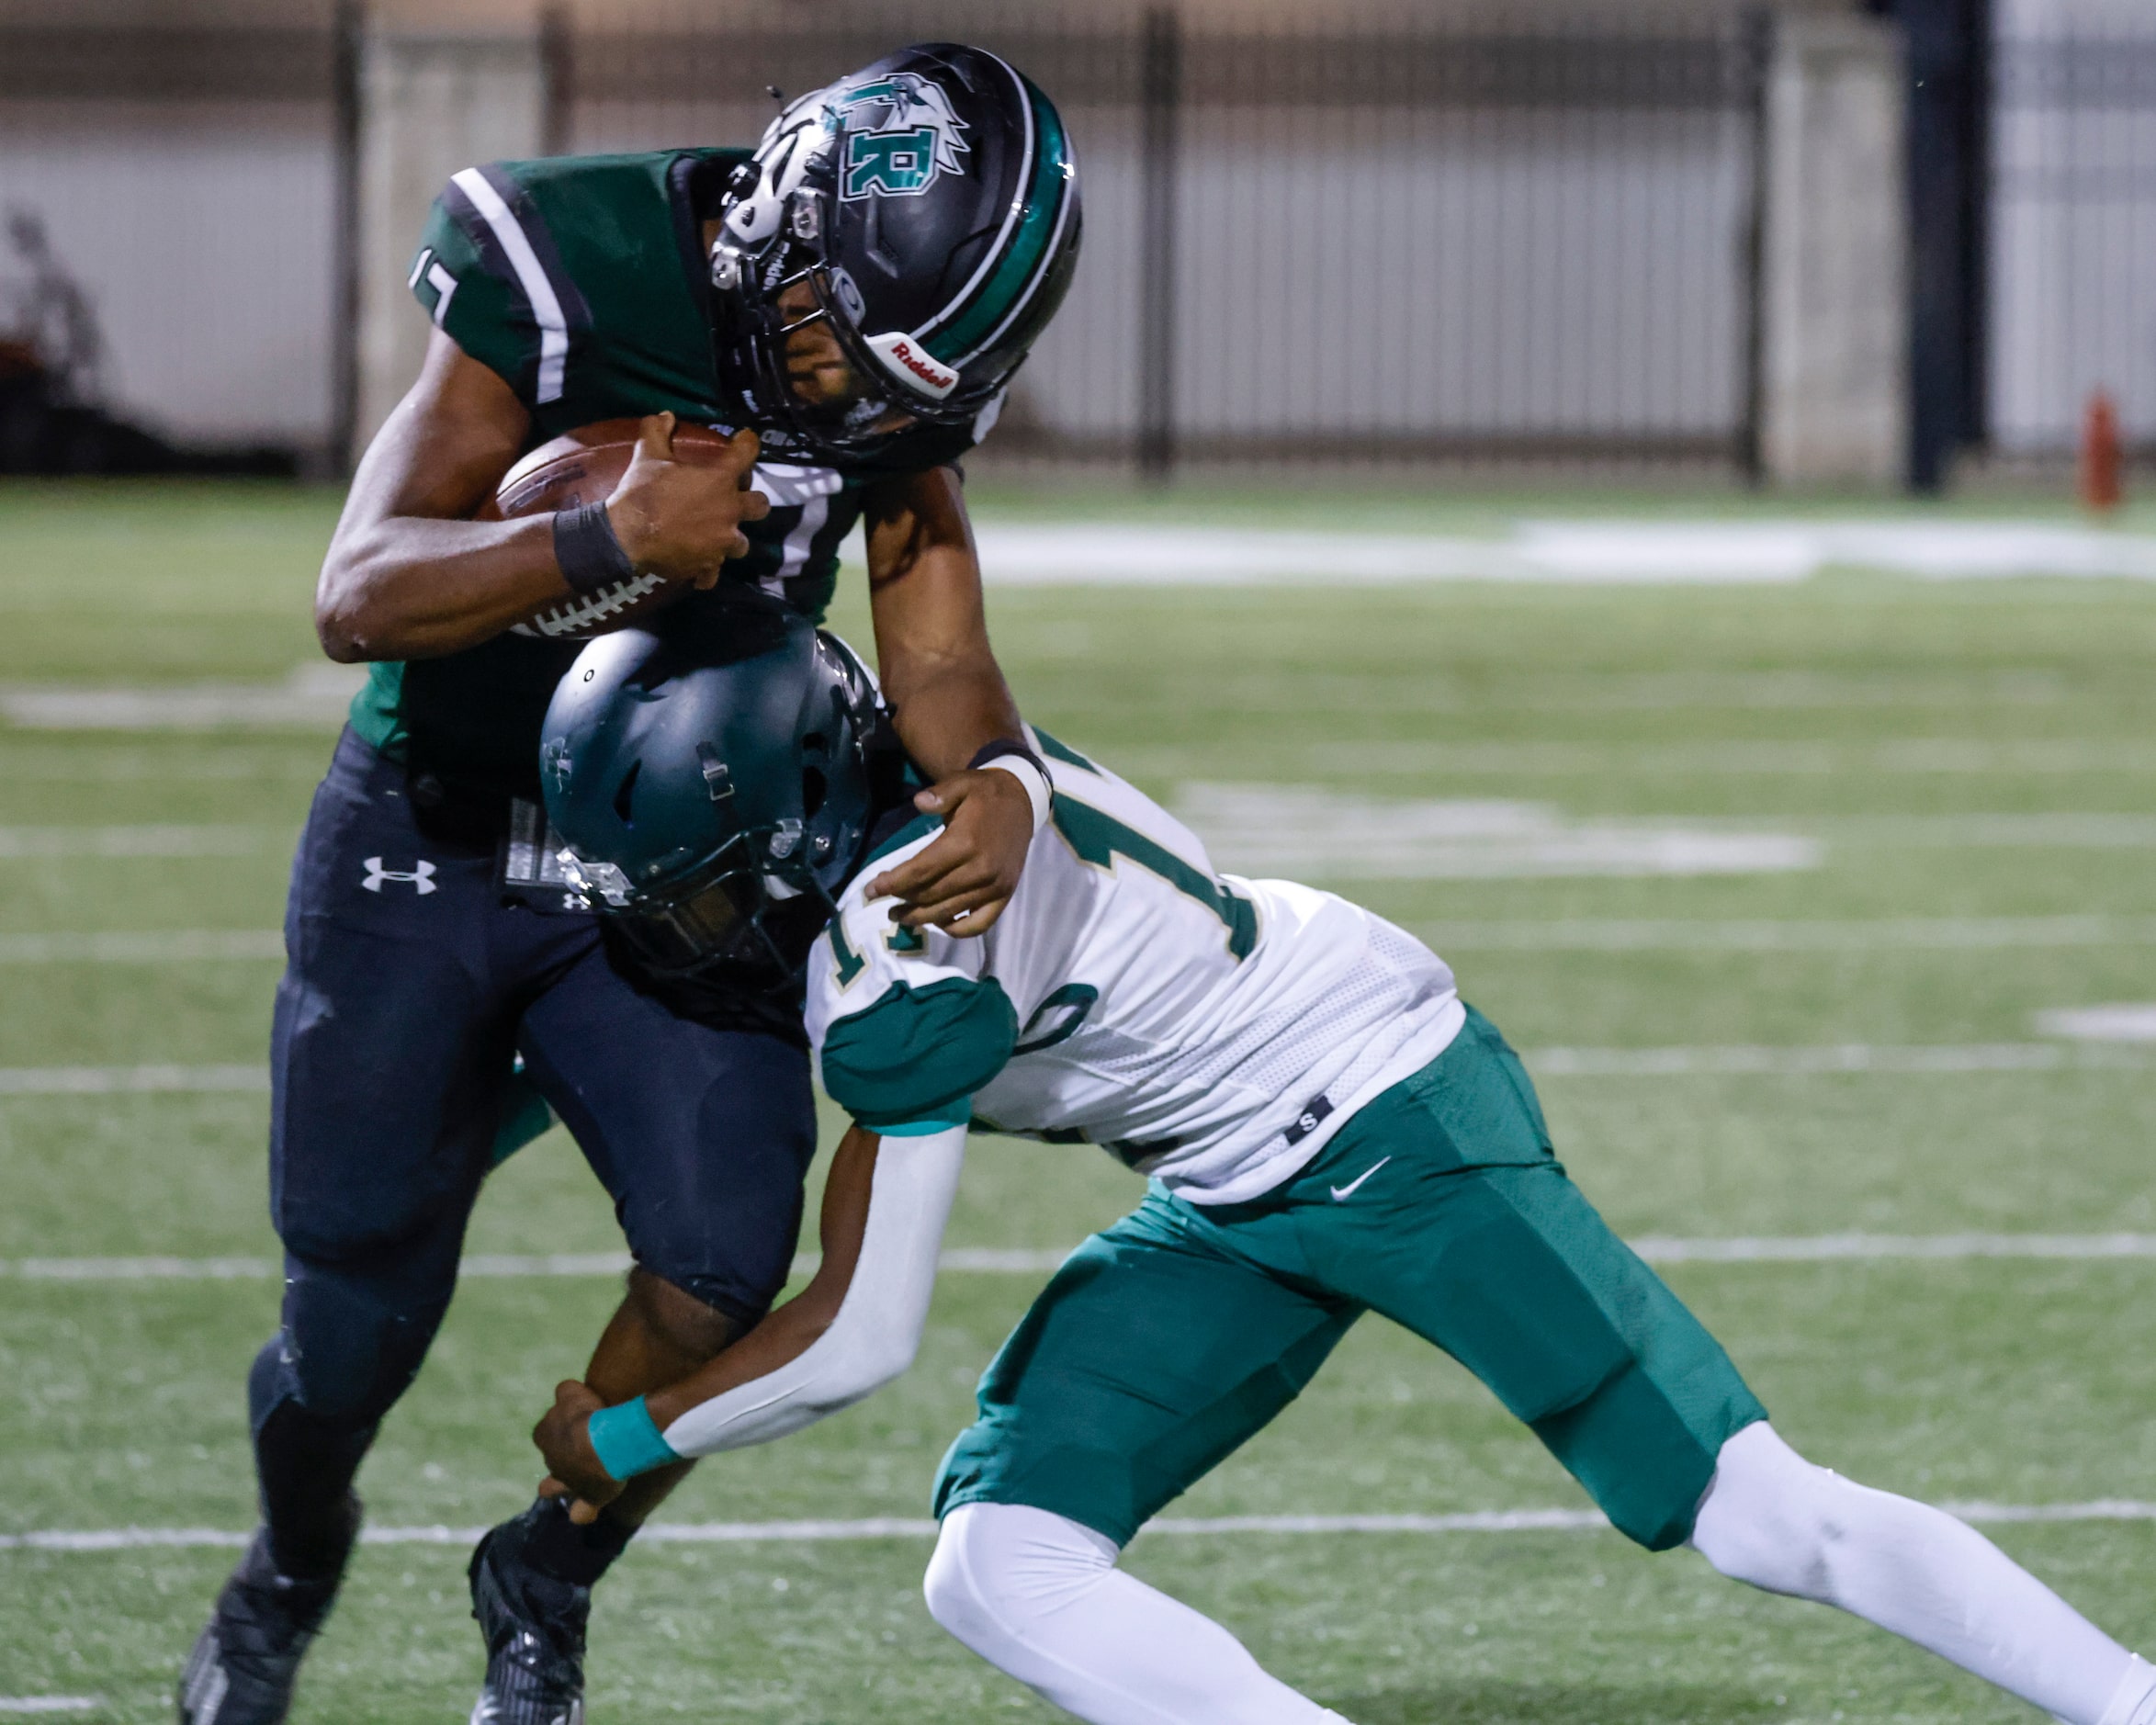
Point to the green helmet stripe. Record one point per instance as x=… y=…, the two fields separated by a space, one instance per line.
x=1015 y=276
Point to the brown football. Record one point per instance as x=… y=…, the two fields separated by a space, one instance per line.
x=583 y=467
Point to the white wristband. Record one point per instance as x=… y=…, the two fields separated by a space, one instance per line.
x=1035 y=782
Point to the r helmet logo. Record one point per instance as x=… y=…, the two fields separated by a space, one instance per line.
x=420 y=874
x=900 y=133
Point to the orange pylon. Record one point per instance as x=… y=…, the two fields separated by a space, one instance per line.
x=2102 y=454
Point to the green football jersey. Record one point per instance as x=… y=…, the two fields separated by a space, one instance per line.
x=580 y=280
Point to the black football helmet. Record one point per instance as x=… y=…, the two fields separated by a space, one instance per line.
x=893 y=248
x=717 y=786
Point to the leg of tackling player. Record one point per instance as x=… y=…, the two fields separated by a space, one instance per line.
x=1168 y=1340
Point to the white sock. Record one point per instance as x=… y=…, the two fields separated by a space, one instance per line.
x=1038 y=1596
x=1773 y=1519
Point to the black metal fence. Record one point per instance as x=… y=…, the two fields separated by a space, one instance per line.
x=2073 y=255
x=1403 y=243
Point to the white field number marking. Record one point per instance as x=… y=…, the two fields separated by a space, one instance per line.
x=1596 y=553
x=1292 y=831
x=2134 y=1023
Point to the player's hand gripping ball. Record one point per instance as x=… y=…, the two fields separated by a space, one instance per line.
x=676 y=495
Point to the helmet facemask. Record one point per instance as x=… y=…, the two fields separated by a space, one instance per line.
x=745 y=914
x=799 y=359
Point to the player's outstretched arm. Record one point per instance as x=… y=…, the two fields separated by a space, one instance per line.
x=950 y=701
x=411 y=575
x=850 y=1331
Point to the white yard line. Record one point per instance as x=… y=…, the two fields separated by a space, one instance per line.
x=50 y=1703
x=1581 y=758
x=1019 y=1261
x=1525 y=934
x=1882 y=1247
x=1739 y=1059
x=163 y=946
x=905 y=1527
x=161 y=841
x=1946 y=934
x=2060 y=829
x=315 y=696
x=129 y=1080
x=1041 y=1261
x=1884 y=1058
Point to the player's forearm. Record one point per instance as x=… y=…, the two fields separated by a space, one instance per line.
x=858 y=1324
x=406 y=587
x=947 y=711
x=939 y=673
x=409 y=574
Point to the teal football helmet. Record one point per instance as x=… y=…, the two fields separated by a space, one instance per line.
x=717 y=782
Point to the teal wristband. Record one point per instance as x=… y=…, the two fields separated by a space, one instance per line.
x=628 y=1441
x=925 y=1128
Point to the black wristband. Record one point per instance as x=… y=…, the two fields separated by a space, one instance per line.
x=995 y=751
x=584 y=546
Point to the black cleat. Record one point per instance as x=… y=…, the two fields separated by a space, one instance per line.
x=246 y=1660
x=535 y=1629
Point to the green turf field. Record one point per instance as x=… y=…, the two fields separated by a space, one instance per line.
x=1942 y=746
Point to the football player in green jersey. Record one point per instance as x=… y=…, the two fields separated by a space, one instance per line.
x=848 y=303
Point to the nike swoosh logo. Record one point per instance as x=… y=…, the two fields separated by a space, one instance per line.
x=1341 y=1193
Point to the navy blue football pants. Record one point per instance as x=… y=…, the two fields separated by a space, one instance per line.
x=410 y=989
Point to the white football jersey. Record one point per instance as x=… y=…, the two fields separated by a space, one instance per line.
x=1209 y=1031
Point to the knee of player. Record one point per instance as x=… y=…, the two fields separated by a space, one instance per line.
x=1772 y=1518
x=947 y=1586
x=686 y=1322
x=998 y=1566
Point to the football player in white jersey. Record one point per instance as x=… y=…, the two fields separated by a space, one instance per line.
x=1327 y=1130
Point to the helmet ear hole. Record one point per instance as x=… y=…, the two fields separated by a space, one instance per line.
x=625 y=794
x=814 y=787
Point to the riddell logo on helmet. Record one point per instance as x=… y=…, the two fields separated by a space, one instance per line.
x=905 y=359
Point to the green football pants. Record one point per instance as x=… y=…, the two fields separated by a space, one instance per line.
x=1166 y=1341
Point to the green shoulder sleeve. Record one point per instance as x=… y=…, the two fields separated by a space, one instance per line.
x=919 y=1054
x=487 y=274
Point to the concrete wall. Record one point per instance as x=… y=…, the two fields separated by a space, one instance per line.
x=205 y=237
x=1364 y=274
x=1833 y=320
x=433 y=102
x=1531 y=272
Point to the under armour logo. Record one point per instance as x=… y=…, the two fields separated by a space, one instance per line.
x=420 y=874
